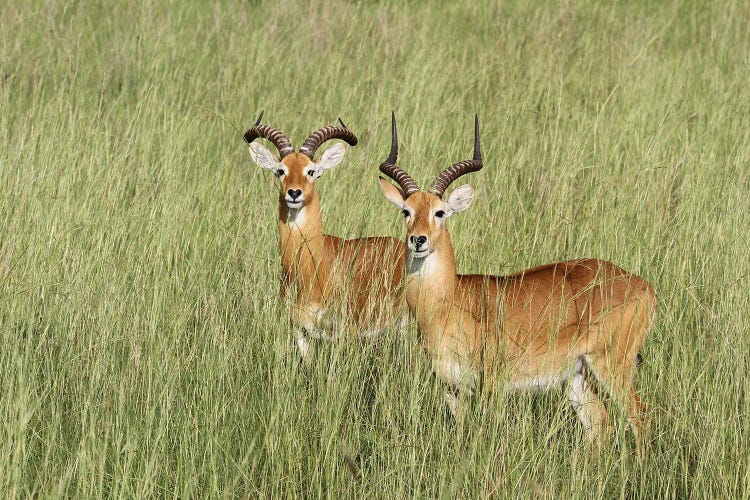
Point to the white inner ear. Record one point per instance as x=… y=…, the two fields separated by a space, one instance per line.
x=330 y=158
x=392 y=193
x=460 y=199
x=263 y=157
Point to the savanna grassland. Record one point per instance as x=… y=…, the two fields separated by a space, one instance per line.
x=143 y=349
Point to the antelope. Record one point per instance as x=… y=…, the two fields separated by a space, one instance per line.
x=326 y=277
x=556 y=323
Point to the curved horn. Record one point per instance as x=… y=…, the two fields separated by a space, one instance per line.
x=313 y=142
x=389 y=168
x=456 y=170
x=266 y=132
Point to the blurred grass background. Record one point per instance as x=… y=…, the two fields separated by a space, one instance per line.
x=142 y=347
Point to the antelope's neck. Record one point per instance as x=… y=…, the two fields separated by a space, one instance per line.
x=431 y=282
x=300 y=235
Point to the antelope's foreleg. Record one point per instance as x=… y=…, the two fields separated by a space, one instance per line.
x=304 y=346
x=305 y=318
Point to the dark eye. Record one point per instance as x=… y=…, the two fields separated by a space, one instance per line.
x=280 y=172
x=405 y=212
x=311 y=172
x=439 y=214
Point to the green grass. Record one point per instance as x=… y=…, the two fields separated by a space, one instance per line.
x=142 y=346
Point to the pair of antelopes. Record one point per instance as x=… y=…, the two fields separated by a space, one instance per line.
x=562 y=322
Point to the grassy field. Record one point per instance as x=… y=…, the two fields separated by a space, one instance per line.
x=143 y=350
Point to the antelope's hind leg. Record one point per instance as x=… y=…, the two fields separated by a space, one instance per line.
x=618 y=382
x=615 y=368
x=587 y=405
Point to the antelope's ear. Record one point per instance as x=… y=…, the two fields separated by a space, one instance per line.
x=263 y=157
x=460 y=199
x=330 y=157
x=392 y=193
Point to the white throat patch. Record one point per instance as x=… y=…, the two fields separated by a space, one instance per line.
x=422 y=266
x=296 y=216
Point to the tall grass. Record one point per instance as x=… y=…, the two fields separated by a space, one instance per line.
x=142 y=346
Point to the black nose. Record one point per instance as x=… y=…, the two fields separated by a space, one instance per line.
x=418 y=241
x=294 y=193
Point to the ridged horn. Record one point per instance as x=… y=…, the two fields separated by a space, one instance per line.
x=389 y=168
x=456 y=170
x=276 y=137
x=312 y=143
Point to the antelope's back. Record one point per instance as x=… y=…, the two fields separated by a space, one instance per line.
x=560 y=299
x=372 y=272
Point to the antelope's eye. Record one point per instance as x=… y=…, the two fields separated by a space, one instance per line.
x=311 y=172
x=439 y=214
x=280 y=172
x=405 y=212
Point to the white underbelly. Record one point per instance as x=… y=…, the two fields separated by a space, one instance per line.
x=373 y=333
x=539 y=382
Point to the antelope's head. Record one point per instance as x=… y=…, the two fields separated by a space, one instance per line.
x=426 y=211
x=298 y=171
